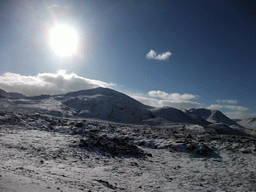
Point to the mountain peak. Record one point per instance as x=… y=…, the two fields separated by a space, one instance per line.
x=107 y=92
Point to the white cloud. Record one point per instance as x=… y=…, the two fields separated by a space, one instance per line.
x=227 y=101
x=215 y=107
x=240 y=115
x=158 y=93
x=180 y=104
x=48 y=83
x=172 y=96
x=236 y=108
x=161 y=56
x=161 y=103
x=230 y=107
x=151 y=54
x=175 y=100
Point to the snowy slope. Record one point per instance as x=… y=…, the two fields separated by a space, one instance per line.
x=249 y=123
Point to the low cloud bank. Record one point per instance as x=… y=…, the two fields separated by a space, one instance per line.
x=48 y=83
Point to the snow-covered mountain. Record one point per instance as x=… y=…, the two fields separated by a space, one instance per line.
x=213 y=116
x=175 y=115
x=107 y=93
x=107 y=104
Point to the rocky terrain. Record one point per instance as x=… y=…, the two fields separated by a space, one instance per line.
x=47 y=145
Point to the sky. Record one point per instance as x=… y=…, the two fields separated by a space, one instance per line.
x=182 y=54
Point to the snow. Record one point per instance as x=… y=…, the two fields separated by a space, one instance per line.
x=44 y=153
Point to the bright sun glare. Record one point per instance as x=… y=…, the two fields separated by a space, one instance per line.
x=64 y=40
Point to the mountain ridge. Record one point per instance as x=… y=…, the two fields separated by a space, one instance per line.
x=109 y=104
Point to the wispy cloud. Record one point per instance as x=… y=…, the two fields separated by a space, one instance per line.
x=48 y=83
x=170 y=103
x=227 y=101
x=161 y=56
x=161 y=99
x=215 y=107
x=230 y=107
x=240 y=115
x=236 y=108
x=172 y=96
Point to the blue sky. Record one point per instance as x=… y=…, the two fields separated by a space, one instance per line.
x=200 y=53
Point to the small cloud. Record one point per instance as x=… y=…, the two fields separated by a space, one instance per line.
x=151 y=54
x=48 y=83
x=162 y=56
x=227 y=101
x=215 y=107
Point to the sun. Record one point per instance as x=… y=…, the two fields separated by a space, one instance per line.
x=64 y=40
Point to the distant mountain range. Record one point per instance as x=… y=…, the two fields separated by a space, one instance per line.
x=108 y=104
